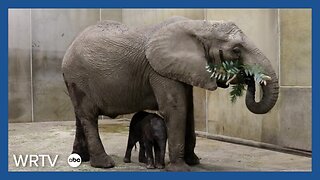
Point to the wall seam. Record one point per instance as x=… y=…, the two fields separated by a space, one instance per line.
x=31 y=74
x=279 y=49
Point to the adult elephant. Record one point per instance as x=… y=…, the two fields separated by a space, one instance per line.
x=110 y=70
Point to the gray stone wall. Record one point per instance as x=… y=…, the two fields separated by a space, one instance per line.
x=38 y=39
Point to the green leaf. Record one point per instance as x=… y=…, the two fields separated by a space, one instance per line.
x=246 y=71
x=212 y=74
x=219 y=76
x=224 y=65
x=237 y=91
x=227 y=69
x=216 y=75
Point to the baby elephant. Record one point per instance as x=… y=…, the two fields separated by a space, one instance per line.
x=151 y=131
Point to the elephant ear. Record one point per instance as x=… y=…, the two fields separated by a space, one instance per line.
x=176 y=52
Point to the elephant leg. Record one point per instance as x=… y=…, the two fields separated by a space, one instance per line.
x=171 y=99
x=98 y=156
x=149 y=153
x=80 y=145
x=87 y=117
x=142 y=152
x=176 y=142
x=156 y=154
x=131 y=143
x=160 y=150
x=190 y=157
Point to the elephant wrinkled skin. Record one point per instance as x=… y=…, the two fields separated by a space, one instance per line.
x=111 y=70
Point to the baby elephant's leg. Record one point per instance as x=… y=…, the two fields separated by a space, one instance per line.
x=149 y=153
x=142 y=152
x=160 y=150
x=131 y=143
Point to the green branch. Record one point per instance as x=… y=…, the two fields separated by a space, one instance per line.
x=228 y=70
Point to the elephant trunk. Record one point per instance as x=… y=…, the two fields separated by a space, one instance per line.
x=269 y=92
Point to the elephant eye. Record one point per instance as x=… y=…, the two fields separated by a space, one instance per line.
x=236 y=50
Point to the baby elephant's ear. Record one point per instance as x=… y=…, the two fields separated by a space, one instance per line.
x=175 y=52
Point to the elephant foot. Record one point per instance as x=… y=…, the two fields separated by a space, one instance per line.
x=150 y=166
x=178 y=166
x=126 y=160
x=102 y=161
x=159 y=166
x=85 y=157
x=143 y=159
x=192 y=159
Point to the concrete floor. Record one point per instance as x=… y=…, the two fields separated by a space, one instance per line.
x=56 y=138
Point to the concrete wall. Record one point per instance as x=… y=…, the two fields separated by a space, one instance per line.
x=140 y=17
x=52 y=32
x=19 y=66
x=38 y=39
x=295 y=79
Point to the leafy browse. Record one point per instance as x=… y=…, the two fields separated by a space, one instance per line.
x=237 y=91
x=228 y=70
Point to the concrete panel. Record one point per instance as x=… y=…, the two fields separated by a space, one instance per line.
x=138 y=17
x=270 y=125
x=295 y=47
x=295 y=118
x=52 y=32
x=226 y=118
x=111 y=14
x=260 y=25
x=235 y=120
x=199 y=101
x=288 y=124
x=19 y=66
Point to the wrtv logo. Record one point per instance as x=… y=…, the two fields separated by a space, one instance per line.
x=35 y=160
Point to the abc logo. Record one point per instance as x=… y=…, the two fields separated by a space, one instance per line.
x=74 y=160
